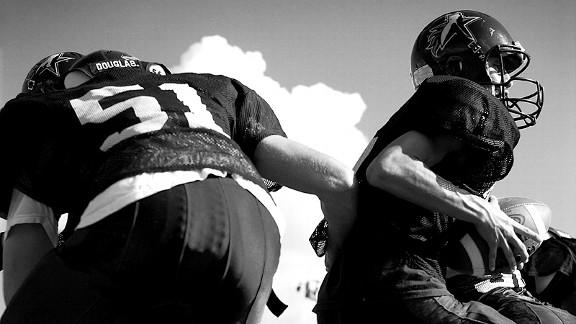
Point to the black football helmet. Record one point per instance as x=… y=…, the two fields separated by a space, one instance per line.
x=48 y=74
x=474 y=46
x=105 y=60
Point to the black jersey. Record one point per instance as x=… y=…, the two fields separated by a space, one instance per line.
x=466 y=111
x=393 y=234
x=67 y=146
x=448 y=105
x=442 y=105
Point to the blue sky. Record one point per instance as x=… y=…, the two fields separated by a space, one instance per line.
x=334 y=71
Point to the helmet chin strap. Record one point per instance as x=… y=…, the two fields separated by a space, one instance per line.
x=75 y=78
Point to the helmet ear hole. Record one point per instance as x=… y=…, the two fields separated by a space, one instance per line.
x=454 y=66
x=75 y=78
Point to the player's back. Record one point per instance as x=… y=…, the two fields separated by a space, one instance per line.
x=118 y=125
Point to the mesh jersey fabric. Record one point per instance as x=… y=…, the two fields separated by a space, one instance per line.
x=399 y=240
x=127 y=122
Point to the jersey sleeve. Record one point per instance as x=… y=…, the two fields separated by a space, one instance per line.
x=28 y=127
x=12 y=146
x=255 y=121
x=470 y=113
x=466 y=111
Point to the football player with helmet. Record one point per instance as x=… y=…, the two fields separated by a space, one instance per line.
x=435 y=161
x=162 y=176
x=32 y=231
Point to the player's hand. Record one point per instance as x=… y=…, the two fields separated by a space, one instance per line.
x=338 y=229
x=341 y=215
x=330 y=255
x=339 y=209
x=500 y=232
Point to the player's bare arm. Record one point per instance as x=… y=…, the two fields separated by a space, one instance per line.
x=304 y=169
x=25 y=243
x=402 y=169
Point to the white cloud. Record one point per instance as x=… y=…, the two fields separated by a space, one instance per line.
x=214 y=55
x=316 y=115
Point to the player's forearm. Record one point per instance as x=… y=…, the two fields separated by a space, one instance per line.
x=409 y=179
x=301 y=168
x=24 y=246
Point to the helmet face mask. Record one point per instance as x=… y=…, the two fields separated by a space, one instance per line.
x=477 y=47
x=508 y=62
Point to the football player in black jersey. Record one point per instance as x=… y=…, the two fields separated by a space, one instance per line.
x=30 y=233
x=433 y=162
x=162 y=176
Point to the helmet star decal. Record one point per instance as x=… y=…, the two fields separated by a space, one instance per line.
x=454 y=24
x=51 y=63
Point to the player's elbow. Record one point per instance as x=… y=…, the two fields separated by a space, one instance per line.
x=383 y=168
